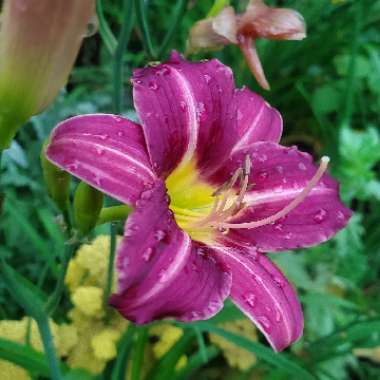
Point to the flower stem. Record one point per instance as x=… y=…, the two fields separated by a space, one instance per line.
x=111 y=260
x=143 y=24
x=122 y=43
x=47 y=341
x=104 y=29
x=177 y=18
x=55 y=297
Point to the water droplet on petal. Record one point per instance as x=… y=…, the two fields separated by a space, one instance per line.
x=125 y=262
x=201 y=251
x=278 y=281
x=288 y=236
x=262 y=157
x=146 y=195
x=279 y=169
x=207 y=78
x=263 y=175
x=153 y=85
x=278 y=227
x=278 y=316
x=239 y=115
x=250 y=299
x=264 y=322
x=301 y=166
x=183 y=106
x=320 y=215
x=164 y=70
x=120 y=134
x=100 y=151
x=340 y=215
x=147 y=255
x=160 y=235
x=104 y=137
x=162 y=275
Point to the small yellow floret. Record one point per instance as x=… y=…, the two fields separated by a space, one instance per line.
x=237 y=357
x=10 y=371
x=104 y=344
x=68 y=338
x=89 y=300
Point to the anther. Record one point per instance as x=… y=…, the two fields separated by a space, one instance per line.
x=287 y=209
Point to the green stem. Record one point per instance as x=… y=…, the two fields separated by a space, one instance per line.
x=47 y=341
x=177 y=19
x=143 y=24
x=104 y=29
x=138 y=353
x=111 y=260
x=351 y=76
x=55 y=297
x=113 y=214
x=120 y=49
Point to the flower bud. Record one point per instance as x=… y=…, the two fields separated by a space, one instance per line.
x=88 y=203
x=57 y=181
x=39 y=41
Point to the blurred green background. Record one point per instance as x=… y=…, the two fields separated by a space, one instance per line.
x=327 y=87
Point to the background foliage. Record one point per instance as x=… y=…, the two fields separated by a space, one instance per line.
x=327 y=88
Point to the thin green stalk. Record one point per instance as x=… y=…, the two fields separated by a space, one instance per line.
x=104 y=29
x=138 y=352
x=111 y=260
x=47 y=341
x=143 y=24
x=177 y=19
x=351 y=76
x=119 y=53
x=55 y=297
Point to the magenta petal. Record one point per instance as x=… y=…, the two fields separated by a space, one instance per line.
x=262 y=292
x=161 y=272
x=256 y=119
x=183 y=109
x=278 y=175
x=106 y=151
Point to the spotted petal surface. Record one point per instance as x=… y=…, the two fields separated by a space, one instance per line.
x=263 y=293
x=106 y=151
x=278 y=175
x=183 y=107
x=161 y=272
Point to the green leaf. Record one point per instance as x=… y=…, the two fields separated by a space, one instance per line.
x=24 y=356
x=262 y=352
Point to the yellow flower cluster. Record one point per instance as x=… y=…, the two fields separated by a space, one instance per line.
x=167 y=336
x=90 y=340
x=98 y=336
x=65 y=337
x=236 y=356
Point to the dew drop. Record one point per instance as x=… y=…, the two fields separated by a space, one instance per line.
x=162 y=275
x=288 y=236
x=207 y=78
x=262 y=157
x=239 y=115
x=301 y=166
x=278 y=281
x=250 y=299
x=264 y=322
x=183 y=106
x=201 y=252
x=120 y=134
x=148 y=253
x=146 y=195
x=279 y=169
x=92 y=26
x=160 y=235
x=278 y=227
x=104 y=137
x=125 y=262
x=320 y=215
x=340 y=215
x=263 y=175
x=100 y=151
x=278 y=316
x=164 y=70
x=153 y=85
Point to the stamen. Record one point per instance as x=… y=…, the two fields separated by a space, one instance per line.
x=291 y=206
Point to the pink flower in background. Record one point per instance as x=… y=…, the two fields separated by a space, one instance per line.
x=258 y=21
x=212 y=190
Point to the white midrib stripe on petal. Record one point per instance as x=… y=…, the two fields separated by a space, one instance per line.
x=182 y=254
x=193 y=124
x=278 y=305
x=65 y=140
x=250 y=129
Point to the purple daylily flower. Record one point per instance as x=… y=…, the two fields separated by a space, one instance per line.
x=212 y=190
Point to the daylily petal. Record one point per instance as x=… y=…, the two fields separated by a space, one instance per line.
x=182 y=107
x=256 y=119
x=106 y=151
x=261 y=21
x=263 y=293
x=214 y=32
x=161 y=272
x=278 y=175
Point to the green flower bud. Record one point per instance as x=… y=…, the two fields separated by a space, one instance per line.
x=39 y=41
x=57 y=182
x=88 y=203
